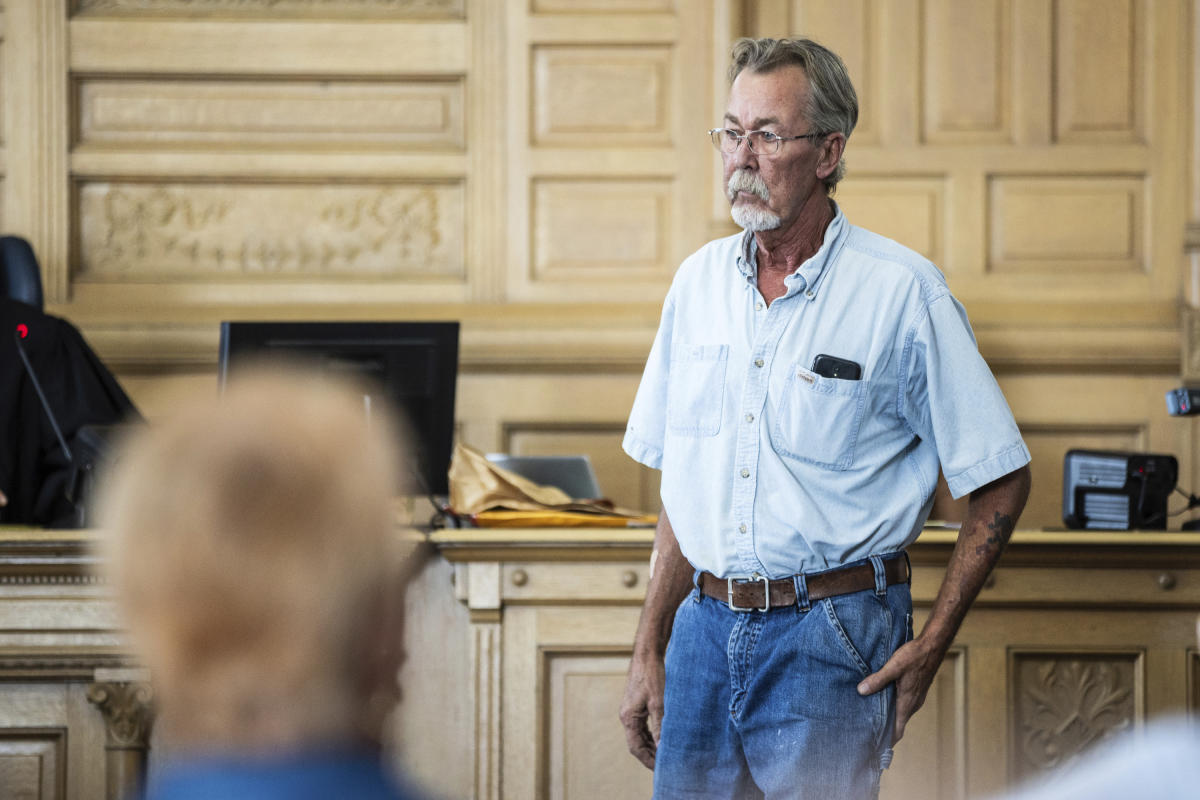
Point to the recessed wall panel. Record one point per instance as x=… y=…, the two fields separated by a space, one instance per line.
x=967 y=82
x=586 y=752
x=600 y=229
x=592 y=96
x=164 y=231
x=32 y=763
x=1096 y=67
x=156 y=113
x=1086 y=224
x=3 y=84
x=929 y=759
x=847 y=28
x=273 y=8
x=909 y=210
x=1065 y=703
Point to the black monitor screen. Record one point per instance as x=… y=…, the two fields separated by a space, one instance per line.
x=414 y=364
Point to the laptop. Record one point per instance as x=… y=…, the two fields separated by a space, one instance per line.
x=573 y=474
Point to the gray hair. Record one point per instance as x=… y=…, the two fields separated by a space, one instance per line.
x=832 y=104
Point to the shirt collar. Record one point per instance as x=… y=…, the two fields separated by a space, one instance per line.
x=807 y=274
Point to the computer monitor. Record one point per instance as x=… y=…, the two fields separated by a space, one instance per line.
x=414 y=364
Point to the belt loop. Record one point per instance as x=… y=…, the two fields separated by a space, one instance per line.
x=880 y=575
x=908 y=567
x=699 y=593
x=801 y=584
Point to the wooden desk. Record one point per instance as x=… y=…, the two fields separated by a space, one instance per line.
x=1076 y=636
x=519 y=641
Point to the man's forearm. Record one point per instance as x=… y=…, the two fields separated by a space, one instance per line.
x=670 y=580
x=992 y=514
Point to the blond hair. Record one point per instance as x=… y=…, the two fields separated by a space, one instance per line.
x=252 y=553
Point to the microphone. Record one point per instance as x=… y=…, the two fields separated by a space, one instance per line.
x=20 y=333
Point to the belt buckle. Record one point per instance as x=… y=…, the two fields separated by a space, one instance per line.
x=766 y=595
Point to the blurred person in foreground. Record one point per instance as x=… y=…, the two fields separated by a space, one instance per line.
x=254 y=557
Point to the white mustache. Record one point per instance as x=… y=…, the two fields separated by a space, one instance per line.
x=744 y=180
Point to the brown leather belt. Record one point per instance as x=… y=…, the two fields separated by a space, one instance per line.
x=747 y=595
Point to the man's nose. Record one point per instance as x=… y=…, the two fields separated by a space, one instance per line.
x=742 y=157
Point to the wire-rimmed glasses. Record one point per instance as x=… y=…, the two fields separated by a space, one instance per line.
x=763 y=143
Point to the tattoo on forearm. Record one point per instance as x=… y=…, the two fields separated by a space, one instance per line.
x=1001 y=529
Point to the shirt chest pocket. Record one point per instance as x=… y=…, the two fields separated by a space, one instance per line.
x=817 y=419
x=696 y=389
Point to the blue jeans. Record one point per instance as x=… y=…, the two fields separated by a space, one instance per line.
x=765 y=705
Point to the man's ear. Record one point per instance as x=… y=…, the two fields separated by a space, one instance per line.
x=832 y=147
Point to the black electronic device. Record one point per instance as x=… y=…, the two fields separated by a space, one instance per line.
x=413 y=364
x=832 y=367
x=1108 y=490
x=1183 y=402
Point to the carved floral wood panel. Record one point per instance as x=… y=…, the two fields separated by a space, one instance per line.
x=171 y=230
x=1066 y=704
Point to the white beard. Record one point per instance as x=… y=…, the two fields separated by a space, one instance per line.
x=750 y=217
x=754 y=218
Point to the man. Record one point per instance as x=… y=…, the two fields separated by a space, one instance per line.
x=807 y=381
x=253 y=552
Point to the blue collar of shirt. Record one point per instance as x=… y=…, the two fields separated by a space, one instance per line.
x=808 y=275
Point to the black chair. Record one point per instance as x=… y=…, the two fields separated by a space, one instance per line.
x=20 y=278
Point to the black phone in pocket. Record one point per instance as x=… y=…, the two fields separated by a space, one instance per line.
x=834 y=367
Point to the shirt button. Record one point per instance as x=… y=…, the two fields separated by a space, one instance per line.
x=745 y=473
x=742 y=528
x=809 y=294
x=758 y=362
x=749 y=418
x=758 y=306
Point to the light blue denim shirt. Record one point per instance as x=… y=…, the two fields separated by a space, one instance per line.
x=770 y=469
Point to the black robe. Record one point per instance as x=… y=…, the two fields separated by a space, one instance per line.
x=35 y=473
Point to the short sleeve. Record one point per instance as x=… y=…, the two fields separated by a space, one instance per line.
x=952 y=400
x=646 y=432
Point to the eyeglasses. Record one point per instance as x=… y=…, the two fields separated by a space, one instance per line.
x=763 y=143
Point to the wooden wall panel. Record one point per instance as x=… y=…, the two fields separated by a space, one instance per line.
x=33 y=763
x=1051 y=163
x=1064 y=703
x=587 y=756
x=910 y=210
x=37 y=128
x=852 y=30
x=1099 y=70
x=1053 y=224
x=273 y=46
x=615 y=228
x=271 y=8
x=35 y=749
x=4 y=102
x=606 y=111
x=192 y=230
x=967 y=79
x=146 y=114
x=930 y=761
x=592 y=96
